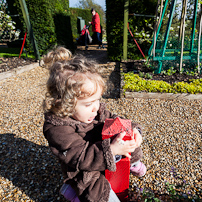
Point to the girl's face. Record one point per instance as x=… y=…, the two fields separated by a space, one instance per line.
x=86 y=108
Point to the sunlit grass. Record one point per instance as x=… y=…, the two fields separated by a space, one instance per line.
x=13 y=52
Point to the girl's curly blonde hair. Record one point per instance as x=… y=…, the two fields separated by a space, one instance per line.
x=58 y=54
x=65 y=84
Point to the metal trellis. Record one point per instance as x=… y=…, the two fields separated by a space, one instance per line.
x=179 y=48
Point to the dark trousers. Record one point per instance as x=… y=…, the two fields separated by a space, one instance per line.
x=97 y=38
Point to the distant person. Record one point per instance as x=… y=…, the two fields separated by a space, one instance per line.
x=96 y=28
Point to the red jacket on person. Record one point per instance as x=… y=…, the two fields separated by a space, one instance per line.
x=96 y=23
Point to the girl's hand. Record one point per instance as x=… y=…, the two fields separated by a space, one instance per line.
x=137 y=136
x=120 y=147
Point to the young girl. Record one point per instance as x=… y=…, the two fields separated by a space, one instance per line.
x=74 y=118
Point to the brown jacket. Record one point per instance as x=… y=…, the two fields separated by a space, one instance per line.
x=83 y=155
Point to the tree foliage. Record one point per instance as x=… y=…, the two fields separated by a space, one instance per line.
x=140 y=25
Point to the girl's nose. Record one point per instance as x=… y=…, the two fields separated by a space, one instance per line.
x=96 y=106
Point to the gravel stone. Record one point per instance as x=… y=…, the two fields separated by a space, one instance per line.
x=29 y=172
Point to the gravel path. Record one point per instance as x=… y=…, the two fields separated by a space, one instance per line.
x=172 y=140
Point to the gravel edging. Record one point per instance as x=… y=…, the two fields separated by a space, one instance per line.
x=16 y=71
x=147 y=95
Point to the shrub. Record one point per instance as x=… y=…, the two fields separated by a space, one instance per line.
x=8 y=30
x=133 y=82
x=140 y=27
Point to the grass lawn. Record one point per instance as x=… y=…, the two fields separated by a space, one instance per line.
x=13 y=52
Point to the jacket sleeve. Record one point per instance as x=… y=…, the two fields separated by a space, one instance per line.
x=138 y=127
x=77 y=153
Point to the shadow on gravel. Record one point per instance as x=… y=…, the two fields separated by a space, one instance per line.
x=113 y=83
x=33 y=169
x=112 y=76
x=30 y=167
x=100 y=56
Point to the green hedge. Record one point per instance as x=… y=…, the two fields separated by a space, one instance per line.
x=78 y=12
x=86 y=15
x=50 y=22
x=115 y=24
x=114 y=28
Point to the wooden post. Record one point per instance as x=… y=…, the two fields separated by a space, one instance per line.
x=181 y=20
x=183 y=30
x=125 y=30
x=29 y=28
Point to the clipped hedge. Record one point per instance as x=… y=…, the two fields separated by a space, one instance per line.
x=115 y=24
x=86 y=15
x=132 y=82
x=50 y=22
x=78 y=12
x=114 y=28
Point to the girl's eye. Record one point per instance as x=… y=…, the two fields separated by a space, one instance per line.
x=87 y=105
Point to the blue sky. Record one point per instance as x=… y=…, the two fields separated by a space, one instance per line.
x=73 y=3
